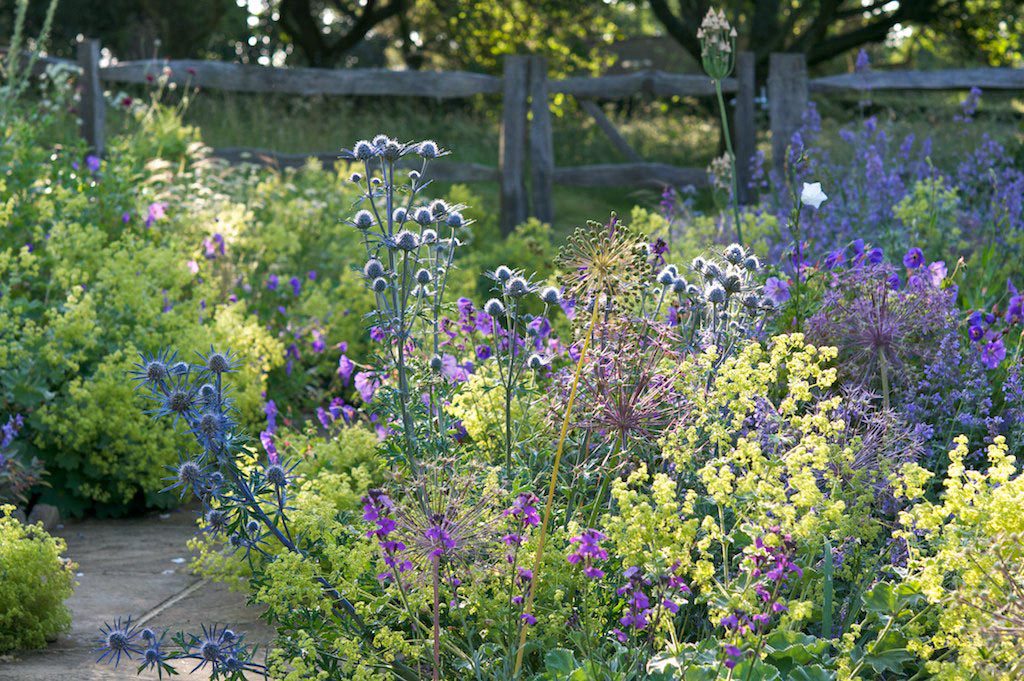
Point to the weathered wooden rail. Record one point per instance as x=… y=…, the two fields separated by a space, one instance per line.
x=790 y=89
x=526 y=169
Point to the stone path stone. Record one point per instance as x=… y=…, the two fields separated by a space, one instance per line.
x=136 y=567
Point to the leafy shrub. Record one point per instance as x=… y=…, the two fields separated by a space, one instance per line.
x=34 y=583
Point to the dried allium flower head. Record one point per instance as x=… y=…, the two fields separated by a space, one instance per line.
x=628 y=384
x=603 y=260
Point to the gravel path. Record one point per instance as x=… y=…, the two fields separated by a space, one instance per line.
x=136 y=567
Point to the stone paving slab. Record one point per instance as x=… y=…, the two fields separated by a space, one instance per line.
x=136 y=567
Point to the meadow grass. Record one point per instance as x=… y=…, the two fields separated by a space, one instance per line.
x=678 y=132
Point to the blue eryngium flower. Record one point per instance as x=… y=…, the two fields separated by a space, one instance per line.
x=118 y=639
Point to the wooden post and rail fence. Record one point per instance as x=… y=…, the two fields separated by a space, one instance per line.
x=526 y=169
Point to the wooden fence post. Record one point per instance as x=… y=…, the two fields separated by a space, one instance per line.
x=542 y=147
x=512 y=144
x=744 y=123
x=92 y=106
x=787 y=101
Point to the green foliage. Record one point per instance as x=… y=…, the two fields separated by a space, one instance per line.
x=34 y=583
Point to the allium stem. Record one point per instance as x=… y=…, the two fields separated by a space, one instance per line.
x=883 y=368
x=437 y=620
x=732 y=161
x=539 y=555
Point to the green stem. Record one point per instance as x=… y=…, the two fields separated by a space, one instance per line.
x=732 y=162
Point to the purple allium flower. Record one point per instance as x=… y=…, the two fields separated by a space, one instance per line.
x=776 y=290
x=913 y=259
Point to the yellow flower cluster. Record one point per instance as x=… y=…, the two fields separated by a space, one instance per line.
x=963 y=552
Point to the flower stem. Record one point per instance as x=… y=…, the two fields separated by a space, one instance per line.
x=732 y=161
x=539 y=555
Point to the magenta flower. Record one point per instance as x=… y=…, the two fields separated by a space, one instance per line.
x=588 y=551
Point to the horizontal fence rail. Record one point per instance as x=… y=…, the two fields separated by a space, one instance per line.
x=306 y=81
x=526 y=144
x=947 y=79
